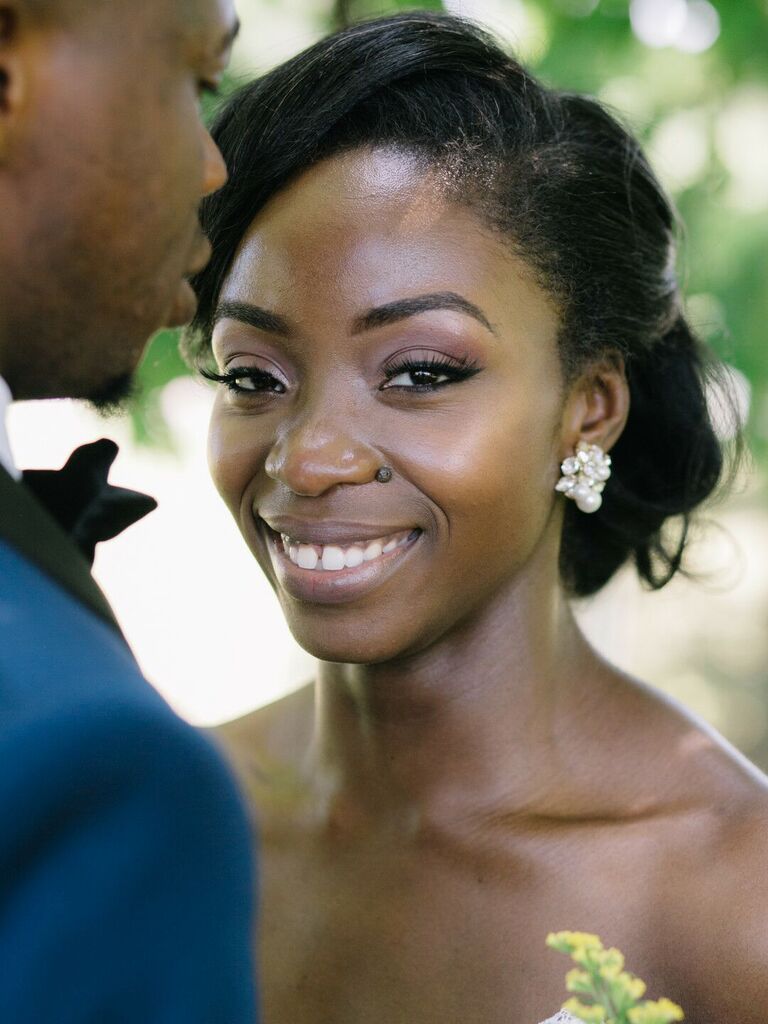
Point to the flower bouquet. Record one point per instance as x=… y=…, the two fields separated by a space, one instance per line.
x=604 y=993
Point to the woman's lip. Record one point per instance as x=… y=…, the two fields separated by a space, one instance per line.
x=327 y=532
x=322 y=586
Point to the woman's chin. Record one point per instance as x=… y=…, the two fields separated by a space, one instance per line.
x=348 y=645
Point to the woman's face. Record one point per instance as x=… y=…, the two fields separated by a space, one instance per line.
x=367 y=321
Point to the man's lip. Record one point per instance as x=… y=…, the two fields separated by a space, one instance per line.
x=184 y=306
x=325 y=531
x=202 y=258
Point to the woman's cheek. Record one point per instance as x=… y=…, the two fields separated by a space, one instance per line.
x=235 y=456
x=499 y=474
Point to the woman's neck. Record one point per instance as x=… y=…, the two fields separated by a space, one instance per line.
x=471 y=722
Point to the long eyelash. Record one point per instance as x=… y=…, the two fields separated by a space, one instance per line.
x=457 y=369
x=266 y=381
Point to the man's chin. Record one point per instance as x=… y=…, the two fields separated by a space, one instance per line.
x=115 y=397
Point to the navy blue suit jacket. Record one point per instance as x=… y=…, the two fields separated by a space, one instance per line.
x=126 y=877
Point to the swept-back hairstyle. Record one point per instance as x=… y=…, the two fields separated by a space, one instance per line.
x=573 y=194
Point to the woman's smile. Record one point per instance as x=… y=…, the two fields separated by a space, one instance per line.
x=322 y=563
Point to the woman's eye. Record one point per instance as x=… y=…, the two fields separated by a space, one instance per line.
x=248 y=381
x=428 y=374
x=418 y=379
x=254 y=382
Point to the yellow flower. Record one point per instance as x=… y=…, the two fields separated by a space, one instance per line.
x=568 y=942
x=627 y=986
x=578 y=981
x=604 y=977
x=589 y=1014
x=663 y=1011
x=611 y=962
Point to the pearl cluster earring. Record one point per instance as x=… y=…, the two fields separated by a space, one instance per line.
x=584 y=476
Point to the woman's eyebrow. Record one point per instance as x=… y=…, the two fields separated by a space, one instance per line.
x=389 y=313
x=254 y=316
x=400 y=309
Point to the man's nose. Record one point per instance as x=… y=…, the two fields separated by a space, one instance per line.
x=214 y=168
x=313 y=456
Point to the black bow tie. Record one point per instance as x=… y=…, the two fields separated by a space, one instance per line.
x=82 y=502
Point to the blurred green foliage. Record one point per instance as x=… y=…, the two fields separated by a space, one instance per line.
x=345 y=12
x=704 y=118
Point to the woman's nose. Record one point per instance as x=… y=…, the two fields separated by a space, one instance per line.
x=310 y=459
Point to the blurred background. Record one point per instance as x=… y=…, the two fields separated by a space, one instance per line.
x=690 y=77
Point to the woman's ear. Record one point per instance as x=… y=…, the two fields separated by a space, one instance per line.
x=597 y=406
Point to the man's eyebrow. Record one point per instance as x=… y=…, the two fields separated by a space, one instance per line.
x=254 y=316
x=400 y=309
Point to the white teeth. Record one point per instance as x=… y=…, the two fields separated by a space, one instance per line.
x=307 y=557
x=353 y=557
x=373 y=550
x=333 y=557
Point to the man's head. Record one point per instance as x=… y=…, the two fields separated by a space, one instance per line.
x=103 y=162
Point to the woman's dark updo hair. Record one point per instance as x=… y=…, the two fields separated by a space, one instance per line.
x=573 y=194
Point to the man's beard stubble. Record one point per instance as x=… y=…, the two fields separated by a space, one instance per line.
x=114 y=398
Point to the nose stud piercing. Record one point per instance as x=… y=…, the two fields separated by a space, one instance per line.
x=584 y=476
x=384 y=475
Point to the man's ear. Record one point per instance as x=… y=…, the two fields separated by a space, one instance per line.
x=597 y=406
x=16 y=57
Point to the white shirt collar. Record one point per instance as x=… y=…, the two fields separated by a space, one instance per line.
x=6 y=458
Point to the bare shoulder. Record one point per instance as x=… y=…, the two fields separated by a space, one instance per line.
x=717 y=915
x=682 y=764
x=275 y=727
x=267 y=747
x=711 y=865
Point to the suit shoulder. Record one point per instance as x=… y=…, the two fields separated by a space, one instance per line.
x=97 y=754
x=128 y=859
